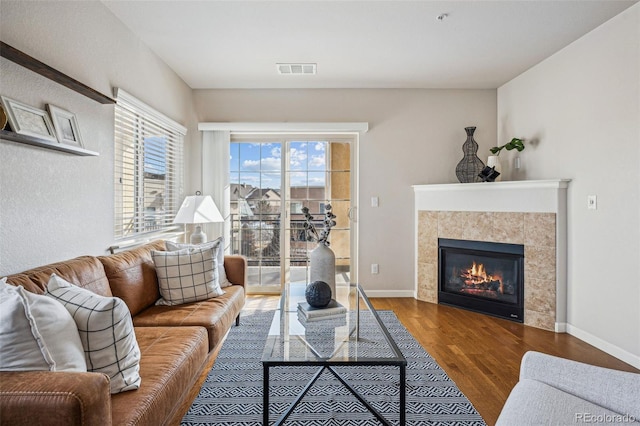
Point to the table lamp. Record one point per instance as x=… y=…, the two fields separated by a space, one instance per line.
x=198 y=209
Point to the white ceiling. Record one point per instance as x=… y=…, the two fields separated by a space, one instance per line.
x=359 y=44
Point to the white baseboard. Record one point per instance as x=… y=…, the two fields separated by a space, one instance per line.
x=605 y=346
x=389 y=293
x=561 y=327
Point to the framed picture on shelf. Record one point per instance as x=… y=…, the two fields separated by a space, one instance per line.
x=66 y=126
x=27 y=120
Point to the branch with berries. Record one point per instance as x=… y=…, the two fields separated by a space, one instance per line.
x=312 y=233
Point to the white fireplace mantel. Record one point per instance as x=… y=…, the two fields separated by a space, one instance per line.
x=469 y=206
x=513 y=196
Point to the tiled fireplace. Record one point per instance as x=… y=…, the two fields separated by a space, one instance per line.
x=527 y=213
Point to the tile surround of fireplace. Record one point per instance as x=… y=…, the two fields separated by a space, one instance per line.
x=531 y=213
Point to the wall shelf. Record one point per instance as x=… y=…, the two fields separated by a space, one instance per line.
x=21 y=58
x=43 y=143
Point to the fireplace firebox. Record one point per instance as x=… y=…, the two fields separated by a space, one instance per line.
x=482 y=276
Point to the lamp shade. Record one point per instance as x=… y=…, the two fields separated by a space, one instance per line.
x=198 y=209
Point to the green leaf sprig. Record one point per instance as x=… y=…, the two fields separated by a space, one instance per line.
x=515 y=143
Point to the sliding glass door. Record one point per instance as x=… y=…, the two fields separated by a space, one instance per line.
x=256 y=209
x=271 y=180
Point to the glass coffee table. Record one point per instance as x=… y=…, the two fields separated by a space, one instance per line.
x=357 y=337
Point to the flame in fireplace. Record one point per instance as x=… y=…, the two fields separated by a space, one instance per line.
x=477 y=276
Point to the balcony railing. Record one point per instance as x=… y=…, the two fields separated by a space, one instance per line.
x=258 y=239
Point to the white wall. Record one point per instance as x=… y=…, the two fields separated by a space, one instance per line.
x=582 y=108
x=415 y=137
x=55 y=206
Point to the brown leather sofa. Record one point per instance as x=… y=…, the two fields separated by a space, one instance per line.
x=176 y=343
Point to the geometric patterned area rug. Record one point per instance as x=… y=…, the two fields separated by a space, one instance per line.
x=232 y=392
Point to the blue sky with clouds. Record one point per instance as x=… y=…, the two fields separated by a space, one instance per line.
x=259 y=164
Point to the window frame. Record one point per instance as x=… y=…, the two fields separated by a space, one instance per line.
x=145 y=139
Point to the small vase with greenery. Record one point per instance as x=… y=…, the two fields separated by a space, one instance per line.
x=515 y=143
x=494 y=160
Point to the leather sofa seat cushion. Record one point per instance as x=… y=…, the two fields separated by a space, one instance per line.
x=84 y=271
x=216 y=315
x=172 y=358
x=132 y=275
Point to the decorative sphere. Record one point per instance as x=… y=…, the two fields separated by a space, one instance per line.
x=318 y=294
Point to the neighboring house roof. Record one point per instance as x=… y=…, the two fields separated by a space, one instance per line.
x=242 y=194
x=240 y=190
x=251 y=193
x=244 y=210
x=266 y=194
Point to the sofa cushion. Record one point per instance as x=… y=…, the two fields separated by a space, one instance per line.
x=535 y=403
x=187 y=275
x=617 y=391
x=106 y=332
x=84 y=271
x=218 y=244
x=171 y=362
x=37 y=333
x=216 y=315
x=132 y=276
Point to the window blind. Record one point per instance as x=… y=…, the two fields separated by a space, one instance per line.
x=148 y=168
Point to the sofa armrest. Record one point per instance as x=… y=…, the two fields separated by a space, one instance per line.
x=54 y=398
x=618 y=391
x=236 y=268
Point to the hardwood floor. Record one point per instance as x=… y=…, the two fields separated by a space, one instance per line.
x=481 y=354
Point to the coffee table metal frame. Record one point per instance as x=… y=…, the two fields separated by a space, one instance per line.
x=326 y=363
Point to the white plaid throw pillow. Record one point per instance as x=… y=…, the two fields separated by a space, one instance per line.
x=106 y=333
x=187 y=275
x=218 y=244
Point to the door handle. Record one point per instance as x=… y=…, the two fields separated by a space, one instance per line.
x=351 y=214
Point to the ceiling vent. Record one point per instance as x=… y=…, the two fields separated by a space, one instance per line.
x=296 y=69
